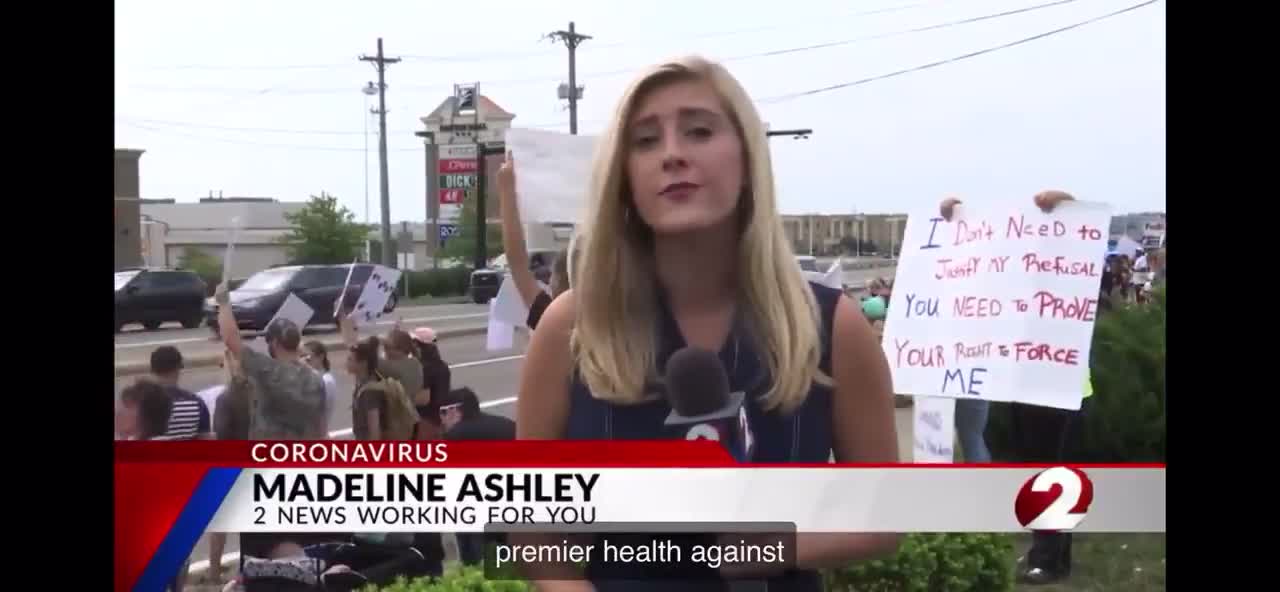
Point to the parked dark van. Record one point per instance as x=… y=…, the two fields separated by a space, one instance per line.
x=258 y=299
x=157 y=296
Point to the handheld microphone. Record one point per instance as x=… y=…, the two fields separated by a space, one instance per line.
x=702 y=408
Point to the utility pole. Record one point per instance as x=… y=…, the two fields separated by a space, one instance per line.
x=571 y=39
x=380 y=62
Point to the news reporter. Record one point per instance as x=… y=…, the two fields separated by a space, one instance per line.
x=684 y=237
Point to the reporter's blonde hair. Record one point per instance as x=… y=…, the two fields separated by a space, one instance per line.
x=614 y=340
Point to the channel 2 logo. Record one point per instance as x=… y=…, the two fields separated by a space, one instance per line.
x=1053 y=500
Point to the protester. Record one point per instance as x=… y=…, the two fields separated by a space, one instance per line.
x=463 y=419
x=290 y=399
x=147 y=410
x=190 y=419
x=400 y=362
x=229 y=405
x=436 y=378
x=683 y=235
x=340 y=566
x=318 y=358
x=380 y=408
x=513 y=240
x=1040 y=435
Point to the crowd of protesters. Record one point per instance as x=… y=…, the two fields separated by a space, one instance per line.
x=402 y=391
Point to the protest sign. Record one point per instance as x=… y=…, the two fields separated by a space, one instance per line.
x=375 y=294
x=553 y=171
x=933 y=430
x=499 y=336
x=294 y=310
x=998 y=303
x=833 y=277
x=232 y=235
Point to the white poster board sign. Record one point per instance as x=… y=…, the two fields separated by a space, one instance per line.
x=499 y=336
x=933 y=430
x=294 y=309
x=998 y=303
x=553 y=172
x=233 y=234
x=509 y=307
x=373 y=297
x=833 y=277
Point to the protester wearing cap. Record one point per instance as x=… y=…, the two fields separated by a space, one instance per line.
x=289 y=397
x=436 y=380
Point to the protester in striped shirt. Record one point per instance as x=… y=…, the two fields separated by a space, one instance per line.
x=189 y=419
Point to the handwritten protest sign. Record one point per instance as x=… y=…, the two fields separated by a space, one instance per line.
x=375 y=294
x=933 y=429
x=553 y=171
x=997 y=304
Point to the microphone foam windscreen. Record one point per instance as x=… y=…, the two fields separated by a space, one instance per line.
x=696 y=382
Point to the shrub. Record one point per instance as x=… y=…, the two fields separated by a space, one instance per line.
x=465 y=579
x=934 y=563
x=924 y=563
x=1124 y=420
x=446 y=281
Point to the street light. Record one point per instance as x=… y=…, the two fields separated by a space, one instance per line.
x=369 y=90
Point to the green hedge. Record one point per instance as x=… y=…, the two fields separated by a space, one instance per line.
x=1124 y=420
x=462 y=579
x=923 y=563
x=934 y=563
x=447 y=281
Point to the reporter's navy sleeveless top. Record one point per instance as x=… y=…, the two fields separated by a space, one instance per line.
x=802 y=436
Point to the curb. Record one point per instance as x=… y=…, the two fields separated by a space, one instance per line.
x=330 y=344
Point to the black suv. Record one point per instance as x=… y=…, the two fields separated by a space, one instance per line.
x=157 y=296
x=258 y=299
x=485 y=282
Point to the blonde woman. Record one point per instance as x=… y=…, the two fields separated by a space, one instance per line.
x=684 y=247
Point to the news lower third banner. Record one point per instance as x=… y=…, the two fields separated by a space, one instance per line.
x=167 y=494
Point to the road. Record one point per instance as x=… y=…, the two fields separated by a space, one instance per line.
x=134 y=346
x=134 y=336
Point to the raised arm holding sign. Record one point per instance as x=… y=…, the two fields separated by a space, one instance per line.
x=1040 y=433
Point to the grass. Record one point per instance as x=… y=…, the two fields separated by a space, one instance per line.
x=428 y=300
x=1133 y=562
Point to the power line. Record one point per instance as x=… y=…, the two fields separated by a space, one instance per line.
x=806 y=23
x=188 y=124
x=620 y=71
x=790 y=96
x=767 y=100
x=254 y=143
x=967 y=21
x=271 y=68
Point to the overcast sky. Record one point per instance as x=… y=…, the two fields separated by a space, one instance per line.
x=1082 y=110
